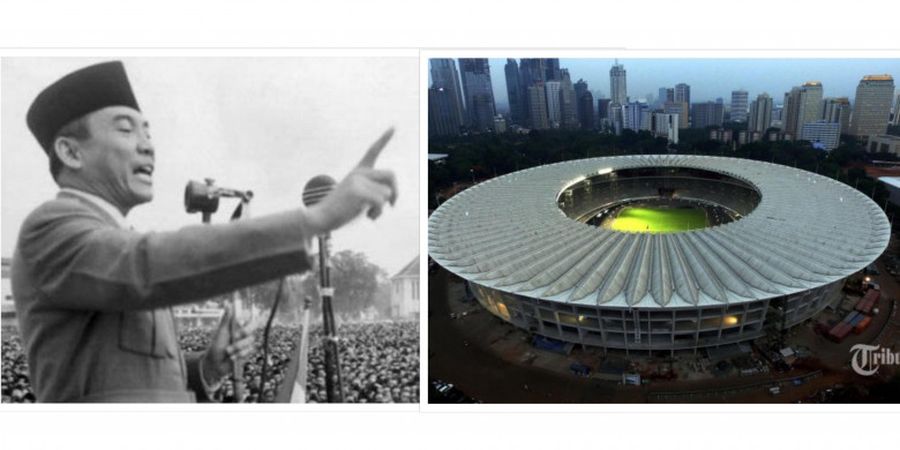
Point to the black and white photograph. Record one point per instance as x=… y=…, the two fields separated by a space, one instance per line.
x=235 y=230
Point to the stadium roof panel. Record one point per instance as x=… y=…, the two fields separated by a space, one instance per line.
x=508 y=233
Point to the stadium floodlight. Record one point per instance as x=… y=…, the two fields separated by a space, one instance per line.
x=604 y=171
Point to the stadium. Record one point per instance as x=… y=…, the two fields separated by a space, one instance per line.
x=657 y=253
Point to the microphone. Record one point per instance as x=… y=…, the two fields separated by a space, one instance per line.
x=203 y=197
x=315 y=190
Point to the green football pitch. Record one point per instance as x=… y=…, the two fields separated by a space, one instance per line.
x=659 y=220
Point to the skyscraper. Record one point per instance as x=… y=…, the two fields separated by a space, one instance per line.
x=551 y=93
x=665 y=125
x=551 y=69
x=537 y=104
x=603 y=107
x=478 y=92
x=634 y=116
x=810 y=109
x=707 y=114
x=586 y=110
x=838 y=110
x=790 y=116
x=872 y=105
x=617 y=86
x=739 y=100
x=619 y=92
x=532 y=70
x=679 y=108
x=567 y=102
x=897 y=111
x=443 y=118
x=581 y=87
x=683 y=93
x=662 y=97
x=444 y=76
x=760 y=117
x=514 y=92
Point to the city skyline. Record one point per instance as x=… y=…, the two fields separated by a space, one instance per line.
x=710 y=79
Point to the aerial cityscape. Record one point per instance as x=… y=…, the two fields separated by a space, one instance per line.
x=539 y=94
x=659 y=248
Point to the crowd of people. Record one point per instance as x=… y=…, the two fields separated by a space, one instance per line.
x=16 y=388
x=379 y=363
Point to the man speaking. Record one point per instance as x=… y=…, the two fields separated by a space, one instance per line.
x=93 y=296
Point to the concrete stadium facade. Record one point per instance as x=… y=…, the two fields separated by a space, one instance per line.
x=791 y=238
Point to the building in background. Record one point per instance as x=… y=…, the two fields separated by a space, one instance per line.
x=514 y=92
x=478 y=93
x=822 y=134
x=444 y=76
x=896 y=120
x=666 y=95
x=568 y=106
x=586 y=114
x=635 y=116
x=618 y=86
x=537 y=106
x=604 y=105
x=443 y=119
x=405 y=292
x=665 y=125
x=499 y=124
x=810 y=110
x=679 y=108
x=884 y=143
x=707 y=114
x=838 y=110
x=760 y=117
x=551 y=94
x=790 y=117
x=552 y=71
x=739 y=100
x=683 y=93
x=872 y=105
x=584 y=105
x=531 y=71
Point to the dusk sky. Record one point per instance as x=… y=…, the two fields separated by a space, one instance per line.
x=711 y=78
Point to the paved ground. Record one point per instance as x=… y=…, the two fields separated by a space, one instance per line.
x=494 y=362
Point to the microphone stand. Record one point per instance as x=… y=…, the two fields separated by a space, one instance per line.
x=315 y=190
x=333 y=383
x=237 y=373
x=204 y=197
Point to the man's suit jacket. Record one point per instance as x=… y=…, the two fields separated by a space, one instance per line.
x=93 y=298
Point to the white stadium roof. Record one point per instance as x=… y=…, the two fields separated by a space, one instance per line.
x=509 y=234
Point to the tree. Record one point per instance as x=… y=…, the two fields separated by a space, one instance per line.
x=356 y=283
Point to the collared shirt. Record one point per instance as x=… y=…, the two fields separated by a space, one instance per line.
x=106 y=206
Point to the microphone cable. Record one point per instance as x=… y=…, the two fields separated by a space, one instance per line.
x=263 y=374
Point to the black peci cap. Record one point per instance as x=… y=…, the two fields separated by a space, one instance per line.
x=76 y=94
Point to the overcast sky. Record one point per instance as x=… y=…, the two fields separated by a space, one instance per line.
x=711 y=78
x=268 y=125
